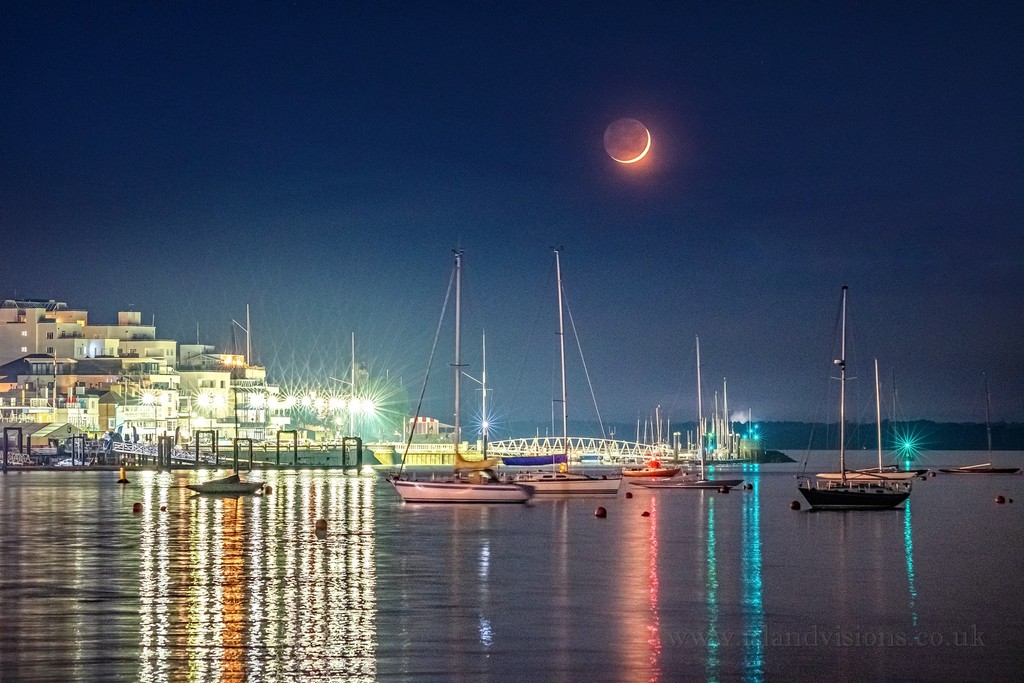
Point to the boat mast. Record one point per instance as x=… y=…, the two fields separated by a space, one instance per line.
x=483 y=390
x=458 y=341
x=561 y=345
x=878 y=416
x=988 y=414
x=841 y=362
x=700 y=416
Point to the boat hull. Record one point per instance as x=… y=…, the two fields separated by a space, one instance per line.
x=460 y=492
x=230 y=485
x=979 y=470
x=533 y=460
x=853 y=497
x=560 y=483
x=695 y=484
x=663 y=472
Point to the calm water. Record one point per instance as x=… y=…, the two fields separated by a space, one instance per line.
x=709 y=586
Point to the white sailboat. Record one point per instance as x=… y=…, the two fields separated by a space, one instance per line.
x=845 y=493
x=553 y=481
x=882 y=472
x=472 y=482
x=685 y=482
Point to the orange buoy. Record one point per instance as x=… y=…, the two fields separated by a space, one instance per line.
x=629 y=494
x=795 y=505
x=1000 y=500
x=124 y=477
x=600 y=512
x=137 y=508
x=268 y=490
x=645 y=513
x=321 y=525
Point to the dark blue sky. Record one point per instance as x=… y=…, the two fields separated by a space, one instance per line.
x=319 y=161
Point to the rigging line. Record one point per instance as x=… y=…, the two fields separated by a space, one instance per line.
x=430 y=363
x=586 y=372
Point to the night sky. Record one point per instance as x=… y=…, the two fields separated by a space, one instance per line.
x=319 y=161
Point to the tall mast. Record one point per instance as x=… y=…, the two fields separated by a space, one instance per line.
x=988 y=413
x=725 y=415
x=700 y=416
x=561 y=346
x=483 y=390
x=248 y=338
x=458 y=350
x=878 y=416
x=841 y=362
x=352 y=388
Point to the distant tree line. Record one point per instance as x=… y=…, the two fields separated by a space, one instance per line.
x=921 y=434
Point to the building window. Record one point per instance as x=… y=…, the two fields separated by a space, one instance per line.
x=49 y=350
x=24 y=349
x=49 y=335
x=24 y=333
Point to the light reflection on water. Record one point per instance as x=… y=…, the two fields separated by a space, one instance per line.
x=243 y=589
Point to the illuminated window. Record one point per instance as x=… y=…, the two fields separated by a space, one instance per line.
x=24 y=349
x=24 y=333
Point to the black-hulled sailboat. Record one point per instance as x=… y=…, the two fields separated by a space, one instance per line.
x=846 y=493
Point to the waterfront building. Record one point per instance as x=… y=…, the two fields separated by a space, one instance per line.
x=57 y=367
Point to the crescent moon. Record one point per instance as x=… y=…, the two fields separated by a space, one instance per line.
x=641 y=155
x=627 y=141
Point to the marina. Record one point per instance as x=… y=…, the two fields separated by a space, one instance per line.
x=332 y=577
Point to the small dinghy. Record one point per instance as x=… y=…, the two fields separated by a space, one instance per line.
x=231 y=484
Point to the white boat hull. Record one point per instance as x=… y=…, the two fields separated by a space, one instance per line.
x=460 y=492
x=563 y=483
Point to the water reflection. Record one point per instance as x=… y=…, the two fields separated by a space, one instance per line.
x=753 y=588
x=908 y=549
x=711 y=584
x=232 y=588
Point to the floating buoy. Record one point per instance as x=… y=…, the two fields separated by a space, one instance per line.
x=645 y=513
x=748 y=487
x=600 y=512
x=137 y=508
x=723 y=489
x=933 y=474
x=268 y=490
x=795 y=505
x=629 y=494
x=1010 y=500
x=163 y=508
x=1000 y=500
x=124 y=477
x=321 y=525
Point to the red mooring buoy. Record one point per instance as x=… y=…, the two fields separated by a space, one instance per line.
x=723 y=489
x=137 y=508
x=1000 y=499
x=645 y=513
x=600 y=512
x=795 y=505
x=629 y=494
